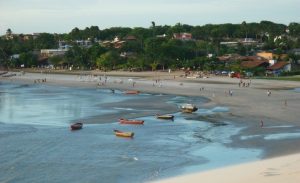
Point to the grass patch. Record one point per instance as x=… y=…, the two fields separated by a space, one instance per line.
x=282 y=78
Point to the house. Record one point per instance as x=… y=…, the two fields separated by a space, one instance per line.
x=52 y=52
x=62 y=45
x=271 y=56
x=229 y=57
x=183 y=36
x=116 y=42
x=254 y=64
x=279 y=67
x=248 y=41
x=229 y=43
x=84 y=43
x=266 y=55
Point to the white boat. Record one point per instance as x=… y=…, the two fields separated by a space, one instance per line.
x=188 y=108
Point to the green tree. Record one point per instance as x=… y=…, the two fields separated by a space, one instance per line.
x=28 y=59
x=108 y=60
x=94 y=53
x=57 y=60
x=45 y=41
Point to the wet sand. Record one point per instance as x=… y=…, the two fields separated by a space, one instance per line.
x=248 y=106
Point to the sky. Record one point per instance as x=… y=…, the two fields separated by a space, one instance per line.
x=61 y=16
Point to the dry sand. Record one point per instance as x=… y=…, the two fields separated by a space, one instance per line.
x=277 y=170
x=248 y=106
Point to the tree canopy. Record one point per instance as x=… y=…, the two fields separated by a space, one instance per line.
x=153 y=47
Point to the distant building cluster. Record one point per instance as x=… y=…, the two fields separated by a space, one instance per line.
x=183 y=36
x=245 y=42
x=266 y=60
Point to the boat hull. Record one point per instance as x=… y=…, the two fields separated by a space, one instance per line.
x=168 y=117
x=123 y=134
x=132 y=92
x=131 y=122
x=188 y=108
x=76 y=126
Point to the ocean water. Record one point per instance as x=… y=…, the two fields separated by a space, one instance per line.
x=36 y=144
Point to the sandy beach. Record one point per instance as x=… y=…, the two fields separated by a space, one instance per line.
x=249 y=106
x=276 y=170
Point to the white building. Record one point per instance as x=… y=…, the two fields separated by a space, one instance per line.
x=52 y=52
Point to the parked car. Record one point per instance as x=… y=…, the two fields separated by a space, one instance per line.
x=235 y=75
x=224 y=72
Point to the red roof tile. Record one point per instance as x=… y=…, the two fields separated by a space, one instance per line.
x=278 y=65
x=253 y=64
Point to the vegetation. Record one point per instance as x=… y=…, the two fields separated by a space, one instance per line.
x=294 y=78
x=149 y=51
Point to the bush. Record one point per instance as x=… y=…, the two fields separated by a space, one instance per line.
x=292 y=73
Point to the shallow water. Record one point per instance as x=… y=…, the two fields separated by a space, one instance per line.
x=37 y=146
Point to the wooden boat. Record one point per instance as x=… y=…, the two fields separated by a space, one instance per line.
x=123 y=134
x=131 y=122
x=165 y=116
x=132 y=92
x=188 y=108
x=76 y=126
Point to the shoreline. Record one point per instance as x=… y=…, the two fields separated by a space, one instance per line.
x=275 y=170
x=247 y=107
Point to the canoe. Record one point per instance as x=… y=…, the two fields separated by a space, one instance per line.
x=131 y=122
x=188 y=108
x=165 y=116
x=123 y=134
x=132 y=92
x=76 y=126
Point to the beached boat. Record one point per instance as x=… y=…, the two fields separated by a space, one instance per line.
x=188 y=108
x=123 y=134
x=165 y=116
x=132 y=92
x=76 y=126
x=131 y=122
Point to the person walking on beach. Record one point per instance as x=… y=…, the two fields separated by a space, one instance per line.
x=285 y=103
x=269 y=93
x=230 y=92
x=261 y=123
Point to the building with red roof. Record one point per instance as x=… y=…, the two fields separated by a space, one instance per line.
x=279 y=67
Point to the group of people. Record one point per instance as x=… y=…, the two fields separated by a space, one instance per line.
x=39 y=80
x=244 y=84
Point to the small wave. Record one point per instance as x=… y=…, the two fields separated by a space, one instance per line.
x=220 y=109
x=283 y=126
x=247 y=137
x=281 y=136
x=130 y=158
x=126 y=109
